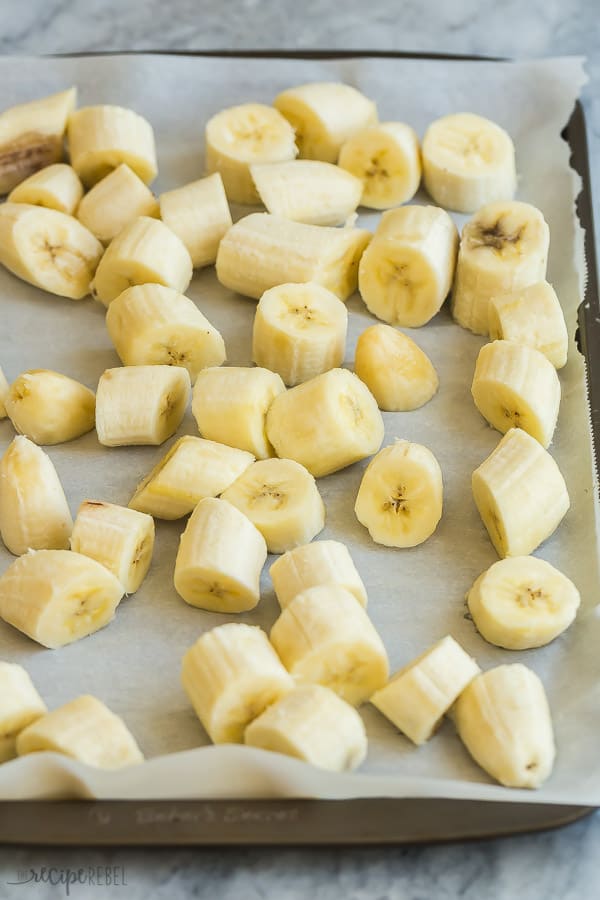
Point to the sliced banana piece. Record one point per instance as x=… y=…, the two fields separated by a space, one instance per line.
x=103 y=137
x=324 y=115
x=145 y=251
x=531 y=316
x=114 y=202
x=313 y=724
x=520 y=493
x=261 y=251
x=299 y=331
x=503 y=248
x=220 y=558
x=191 y=470
x=306 y=190
x=406 y=272
x=150 y=324
x=468 y=161
x=239 y=136
x=397 y=372
x=282 y=500
x=120 y=539
x=419 y=695
x=198 y=213
x=517 y=386
x=48 y=249
x=318 y=563
x=83 y=729
x=387 y=160
x=140 y=404
x=50 y=408
x=231 y=675
x=56 y=187
x=34 y=513
x=504 y=721
x=4 y=388
x=56 y=597
x=230 y=406
x=20 y=705
x=326 y=423
x=400 y=496
x=325 y=637
x=522 y=602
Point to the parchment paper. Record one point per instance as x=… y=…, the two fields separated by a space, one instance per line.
x=415 y=596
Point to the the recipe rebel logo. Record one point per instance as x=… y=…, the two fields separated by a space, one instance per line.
x=67 y=878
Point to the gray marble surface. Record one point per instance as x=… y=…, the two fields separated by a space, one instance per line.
x=560 y=865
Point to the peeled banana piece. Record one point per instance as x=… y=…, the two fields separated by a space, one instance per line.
x=316 y=564
x=198 y=213
x=103 y=137
x=56 y=187
x=4 y=387
x=387 y=159
x=532 y=316
x=398 y=373
x=20 y=705
x=306 y=190
x=114 y=202
x=50 y=408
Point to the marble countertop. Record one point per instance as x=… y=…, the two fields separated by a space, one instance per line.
x=558 y=865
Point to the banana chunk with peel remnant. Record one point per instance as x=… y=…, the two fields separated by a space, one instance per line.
x=56 y=187
x=326 y=423
x=313 y=724
x=114 y=202
x=231 y=675
x=50 y=408
x=4 y=388
x=191 y=470
x=103 y=137
x=282 y=500
x=520 y=493
x=318 y=563
x=419 y=695
x=83 y=729
x=120 y=539
x=220 y=558
x=387 y=159
x=20 y=705
x=198 y=213
x=531 y=316
x=503 y=719
x=306 y=190
x=261 y=251
x=34 y=513
x=400 y=496
x=140 y=404
x=56 y=597
x=522 y=602
x=406 y=272
x=299 y=331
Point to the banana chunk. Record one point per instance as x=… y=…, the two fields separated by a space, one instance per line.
x=282 y=500
x=34 y=513
x=503 y=248
x=4 y=388
x=231 y=675
x=138 y=405
x=400 y=496
x=532 y=316
x=419 y=695
x=387 y=160
x=145 y=251
x=313 y=724
x=520 y=494
x=522 y=602
x=503 y=719
x=299 y=331
x=516 y=386
x=48 y=249
x=103 y=137
x=114 y=202
x=406 y=272
x=319 y=563
x=306 y=190
x=83 y=729
x=198 y=213
x=261 y=251
x=325 y=637
x=150 y=324
x=56 y=187
x=324 y=115
x=50 y=408
x=120 y=539
x=191 y=470
x=395 y=369
x=230 y=406
x=56 y=597
x=220 y=558
x=326 y=423
x=20 y=705
x=31 y=136
x=239 y=136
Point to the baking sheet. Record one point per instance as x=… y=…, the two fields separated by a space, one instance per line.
x=415 y=596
